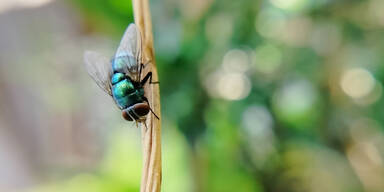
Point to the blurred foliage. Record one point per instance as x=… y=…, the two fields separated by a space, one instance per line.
x=113 y=15
x=279 y=95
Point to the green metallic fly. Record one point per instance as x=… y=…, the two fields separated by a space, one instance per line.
x=121 y=77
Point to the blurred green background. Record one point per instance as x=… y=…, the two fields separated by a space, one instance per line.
x=265 y=96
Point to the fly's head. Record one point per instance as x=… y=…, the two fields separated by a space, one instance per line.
x=136 y=112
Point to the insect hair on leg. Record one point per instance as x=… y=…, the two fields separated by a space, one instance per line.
x=145 y=125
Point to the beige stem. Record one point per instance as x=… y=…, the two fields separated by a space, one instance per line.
x=151 y=136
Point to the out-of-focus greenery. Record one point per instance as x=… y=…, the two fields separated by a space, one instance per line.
x=278 y=95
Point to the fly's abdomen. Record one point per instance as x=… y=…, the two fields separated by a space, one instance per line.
x=128 y=100
x=121 y=88
x=124 y=92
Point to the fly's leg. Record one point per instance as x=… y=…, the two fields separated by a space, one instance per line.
x=146 y=100
x=145 y=124
x=148 y=76
x=142 y=66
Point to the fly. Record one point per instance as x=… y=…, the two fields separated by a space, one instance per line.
x=121 y=77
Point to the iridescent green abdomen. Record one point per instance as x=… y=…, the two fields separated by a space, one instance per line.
x=124 y=92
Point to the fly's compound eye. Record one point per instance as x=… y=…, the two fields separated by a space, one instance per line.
x=141 y=109
x=126 y=116
x=136 y=112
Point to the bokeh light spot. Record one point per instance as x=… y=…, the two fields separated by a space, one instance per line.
x=236 y=60
x=234 y=86
x=6 y=5
x=357 y=82
x=296 y=97
x=295 y=102
x=257 y=121
x=291 y=5
x=267 y=59
x=270 y=23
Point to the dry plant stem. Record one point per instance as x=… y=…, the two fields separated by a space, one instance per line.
x=151 y=136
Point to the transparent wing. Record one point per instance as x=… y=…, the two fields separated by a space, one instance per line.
x=99 y=69
x=129 y=51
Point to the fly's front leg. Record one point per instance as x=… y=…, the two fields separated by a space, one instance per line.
x=142 y=66
x=146 y=100
x=148 y=76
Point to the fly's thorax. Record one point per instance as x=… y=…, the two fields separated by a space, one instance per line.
x=124 y=62
x=117 y=77
x=122 y=88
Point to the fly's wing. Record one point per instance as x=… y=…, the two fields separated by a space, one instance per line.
x=99 y=69
x=129 y=52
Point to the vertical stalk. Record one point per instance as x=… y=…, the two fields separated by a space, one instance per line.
x=151 y=135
